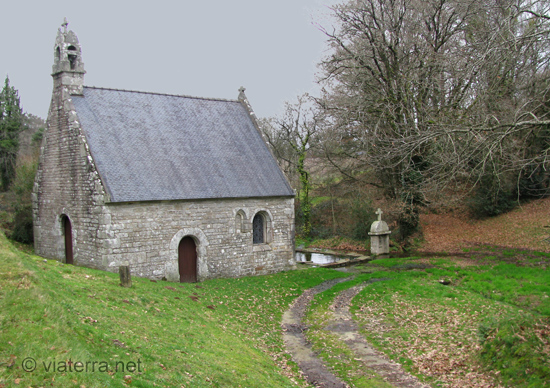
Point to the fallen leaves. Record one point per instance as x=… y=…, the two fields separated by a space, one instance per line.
x=441 y=341
x=522 y=227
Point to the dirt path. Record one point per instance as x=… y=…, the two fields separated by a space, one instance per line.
x=293 y=335
x=343 y=325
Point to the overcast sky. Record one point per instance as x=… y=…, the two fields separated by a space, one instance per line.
x=191 y=47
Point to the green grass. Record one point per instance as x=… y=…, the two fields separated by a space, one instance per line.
x=492 y=320
x=514 y=345
x=493 y=317
x=220 y=333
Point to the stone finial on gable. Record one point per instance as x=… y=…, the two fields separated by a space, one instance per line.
x=244 y=100
x=242 y=96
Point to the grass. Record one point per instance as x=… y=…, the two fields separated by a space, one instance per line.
x=219 y=333
x=490 y=325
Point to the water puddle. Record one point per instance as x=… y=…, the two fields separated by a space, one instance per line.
x=319 y=258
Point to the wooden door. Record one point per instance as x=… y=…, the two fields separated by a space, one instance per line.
x=67 y=230
x=187 y=260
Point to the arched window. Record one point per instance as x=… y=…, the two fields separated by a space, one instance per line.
x=239 y=221
x=258 y=229
x=262 y=232
x=72 y=57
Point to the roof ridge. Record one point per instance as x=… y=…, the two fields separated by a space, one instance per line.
x=163 y=94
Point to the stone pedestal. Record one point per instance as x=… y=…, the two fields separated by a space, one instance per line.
x=379 y=236
x=125 y=277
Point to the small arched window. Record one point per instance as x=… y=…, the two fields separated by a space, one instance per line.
x=258 y=229
x=239 y=221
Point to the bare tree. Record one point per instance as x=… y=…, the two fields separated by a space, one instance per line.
x=425 y=93
x=291 y=137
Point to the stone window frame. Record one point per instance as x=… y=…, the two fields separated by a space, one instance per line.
x=240 y=221
x=267 y=219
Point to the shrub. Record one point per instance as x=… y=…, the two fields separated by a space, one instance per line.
x=408 y=221
x=22 y=187
x=363 y=216
x=492 y=197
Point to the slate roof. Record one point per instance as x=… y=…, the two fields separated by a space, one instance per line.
x=151 y=147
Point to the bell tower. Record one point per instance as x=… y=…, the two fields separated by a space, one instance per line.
x=68 y=68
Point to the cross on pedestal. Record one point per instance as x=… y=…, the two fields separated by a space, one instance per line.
x=379 y=213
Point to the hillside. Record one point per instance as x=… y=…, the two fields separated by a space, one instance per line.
x=63 y=325
x=526 y=227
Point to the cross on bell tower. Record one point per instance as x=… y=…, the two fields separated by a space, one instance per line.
x=64 y=25
x=68 y=68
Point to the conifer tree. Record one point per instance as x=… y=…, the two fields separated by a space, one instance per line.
x=11 y=124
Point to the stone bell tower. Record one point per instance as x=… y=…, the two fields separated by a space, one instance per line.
x=68 y=68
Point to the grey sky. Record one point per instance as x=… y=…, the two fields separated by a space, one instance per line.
x=191 y=47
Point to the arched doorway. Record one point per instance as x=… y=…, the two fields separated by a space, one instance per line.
x=68 y=233
x=187 y=260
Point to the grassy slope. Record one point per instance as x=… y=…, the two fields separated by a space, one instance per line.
x=219 y=333
x=227 y=333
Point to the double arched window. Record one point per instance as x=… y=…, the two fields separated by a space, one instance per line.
x=260 y=226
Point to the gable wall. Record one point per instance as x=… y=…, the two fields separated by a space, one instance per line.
x=66 y=183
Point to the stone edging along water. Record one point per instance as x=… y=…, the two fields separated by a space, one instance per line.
x=343 y=325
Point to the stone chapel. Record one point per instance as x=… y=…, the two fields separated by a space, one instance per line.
x=177 y=187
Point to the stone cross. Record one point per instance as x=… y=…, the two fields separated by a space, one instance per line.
x=65 y=24
x=379 y=213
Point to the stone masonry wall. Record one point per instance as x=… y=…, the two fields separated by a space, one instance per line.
x=147 y=235
x=67 y=183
